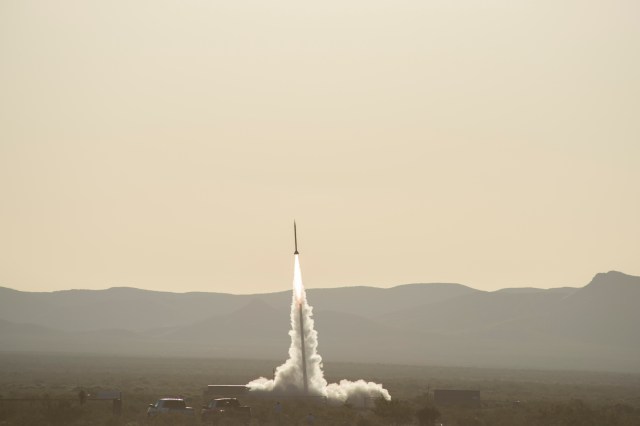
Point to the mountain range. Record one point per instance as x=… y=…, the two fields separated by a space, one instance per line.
x=589 y=328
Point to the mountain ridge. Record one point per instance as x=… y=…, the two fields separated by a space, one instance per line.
x=591 y=327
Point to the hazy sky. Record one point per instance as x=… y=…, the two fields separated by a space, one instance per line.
x=170 y=144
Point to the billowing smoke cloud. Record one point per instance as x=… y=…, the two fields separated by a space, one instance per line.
x=288 y=378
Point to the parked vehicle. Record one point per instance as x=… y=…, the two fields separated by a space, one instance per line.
x=228 y=409
x=169 y=406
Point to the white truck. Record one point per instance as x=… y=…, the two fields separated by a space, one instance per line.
x=175 y=406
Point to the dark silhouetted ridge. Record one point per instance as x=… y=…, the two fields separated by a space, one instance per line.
x=593 y=327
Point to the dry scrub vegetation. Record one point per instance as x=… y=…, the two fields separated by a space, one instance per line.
x=47 y=387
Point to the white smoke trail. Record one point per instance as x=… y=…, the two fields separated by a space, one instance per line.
x=288 y=378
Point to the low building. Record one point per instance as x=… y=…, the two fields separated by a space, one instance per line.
x=229 y=391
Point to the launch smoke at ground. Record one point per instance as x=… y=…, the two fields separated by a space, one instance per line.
x=289 y=377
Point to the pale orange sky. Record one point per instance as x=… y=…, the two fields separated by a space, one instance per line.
x=169 y=145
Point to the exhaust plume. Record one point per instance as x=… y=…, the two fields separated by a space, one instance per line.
x=289 y=378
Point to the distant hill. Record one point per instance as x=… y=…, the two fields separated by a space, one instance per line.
x=593 y=327
x=140 y=310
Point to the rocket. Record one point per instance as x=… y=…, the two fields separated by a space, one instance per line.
x=295 y=237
